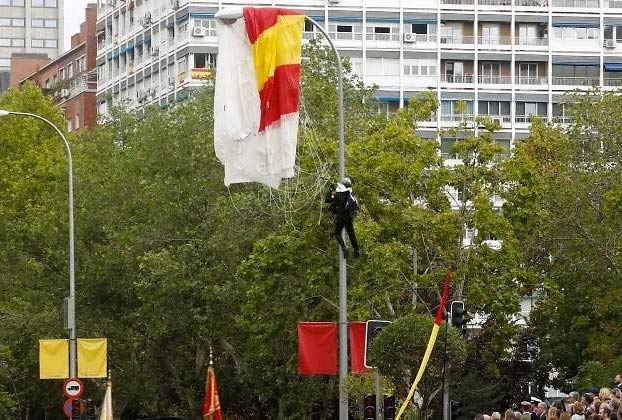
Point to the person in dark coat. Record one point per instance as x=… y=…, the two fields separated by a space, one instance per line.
x=341 y=203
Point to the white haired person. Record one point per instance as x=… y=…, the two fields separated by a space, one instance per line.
x=344 y=204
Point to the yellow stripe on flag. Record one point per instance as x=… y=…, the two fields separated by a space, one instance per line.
x=54 y=359
x=424 y=363
x=277 y=46
x=92 y=360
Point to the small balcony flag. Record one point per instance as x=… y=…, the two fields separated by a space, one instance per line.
x=211 y=404
x=256 y=95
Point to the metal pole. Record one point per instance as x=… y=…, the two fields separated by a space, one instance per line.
x=446 y=368
x=377 y=386
x=343 y=282
x=71 y=308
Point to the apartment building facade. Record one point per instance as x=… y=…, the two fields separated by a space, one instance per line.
x=71 y=78
x=29 y=26
x=505 y=59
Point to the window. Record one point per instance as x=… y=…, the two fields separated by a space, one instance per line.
x=524 y=110
x=572 y=33
x=11 y=2
x=80 y=64
x=490 y=72
x=494 y=108
x=5 y=22
x=344 y=28
x=70 y=70
x=36 y=23
x=37 y=3
x=5 y=42
x=51 y=23
x=47 y=84
x=491 y=33
x=309 y=26
x=18 y=42
x=419 y=28
x=37 y=43
x=61 y=74
x=202 y=61
x=51 y=43
x=18 y=22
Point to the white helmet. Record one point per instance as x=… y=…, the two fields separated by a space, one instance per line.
x=346 y=182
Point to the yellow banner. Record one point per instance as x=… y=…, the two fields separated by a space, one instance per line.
x=53 y=359
x=92 y=358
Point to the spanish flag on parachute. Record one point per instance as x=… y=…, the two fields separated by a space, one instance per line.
x=256 y=95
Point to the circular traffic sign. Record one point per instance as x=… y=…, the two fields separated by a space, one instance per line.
x=73 y=388
x=68 y=407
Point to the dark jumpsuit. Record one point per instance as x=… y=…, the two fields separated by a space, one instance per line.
x=343 y=219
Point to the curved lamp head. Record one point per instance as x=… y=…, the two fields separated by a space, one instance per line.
x=229 y=15
x=4 y=113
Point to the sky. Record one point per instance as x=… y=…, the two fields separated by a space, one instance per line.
x=74 y=16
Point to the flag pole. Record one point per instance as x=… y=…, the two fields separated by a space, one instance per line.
x=230 y=15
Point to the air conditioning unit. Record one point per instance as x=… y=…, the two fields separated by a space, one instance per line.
x=155 y=51
x=410 y=38
x=610 y=43
x=497 y=120
x=64 y=93
x=198 y=31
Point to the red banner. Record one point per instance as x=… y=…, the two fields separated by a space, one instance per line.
x=357 y=347
x=317 y=348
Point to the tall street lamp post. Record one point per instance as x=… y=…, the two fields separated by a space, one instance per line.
x=70 y=302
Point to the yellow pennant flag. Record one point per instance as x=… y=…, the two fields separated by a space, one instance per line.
x=106 y=408
x=54 y=359
x=92 y=358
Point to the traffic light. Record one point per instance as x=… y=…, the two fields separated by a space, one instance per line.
x=76 y=406
x=457 y=314
x=90 y=409
x=369 y=407
x=373 y=327
x=389 y=407
x=455 y=409
x=316 y=411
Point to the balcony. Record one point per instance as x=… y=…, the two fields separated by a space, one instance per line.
x=383 y=37
x=532 y=42
x=346 y=36
x=613 y=82
x=531 y=81
x=457 y=78
x=576 y=81
x=456 y=117
x=580 y=4
x=532 y=3
x=457 y=39
x=494 y=80
x=495 y=2
x=487 y=42
x=499 y=118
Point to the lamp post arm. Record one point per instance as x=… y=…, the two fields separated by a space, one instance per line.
x=71 y=316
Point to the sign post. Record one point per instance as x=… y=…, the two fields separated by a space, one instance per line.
x=73 y=388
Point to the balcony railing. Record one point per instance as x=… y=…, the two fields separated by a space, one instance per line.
x=501 y=118
x=457 y=78
x=458 y=2
x=575 y=3
x=456 y=117
x=614 y=4
x=494 y=2
x=536 y=3
x=532 y=41
x=346 y=36
x=487 y=41
x=562 y=119
x=527 y=118
x=532 y=81
x=576 y=81
x=616 y=82
x=419 y=38
x=383 y=37
x=494 y=80
x=456 y=39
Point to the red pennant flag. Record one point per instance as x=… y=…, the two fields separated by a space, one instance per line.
x=317 y=348
x=357 y=347
x=211 y=404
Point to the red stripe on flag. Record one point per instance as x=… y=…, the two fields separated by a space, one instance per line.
x=279 y=95
x=317 y=348
x=357 y=347
x=440 y=313
x=258 y=19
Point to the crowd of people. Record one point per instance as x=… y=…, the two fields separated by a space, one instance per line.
x=598 y=404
